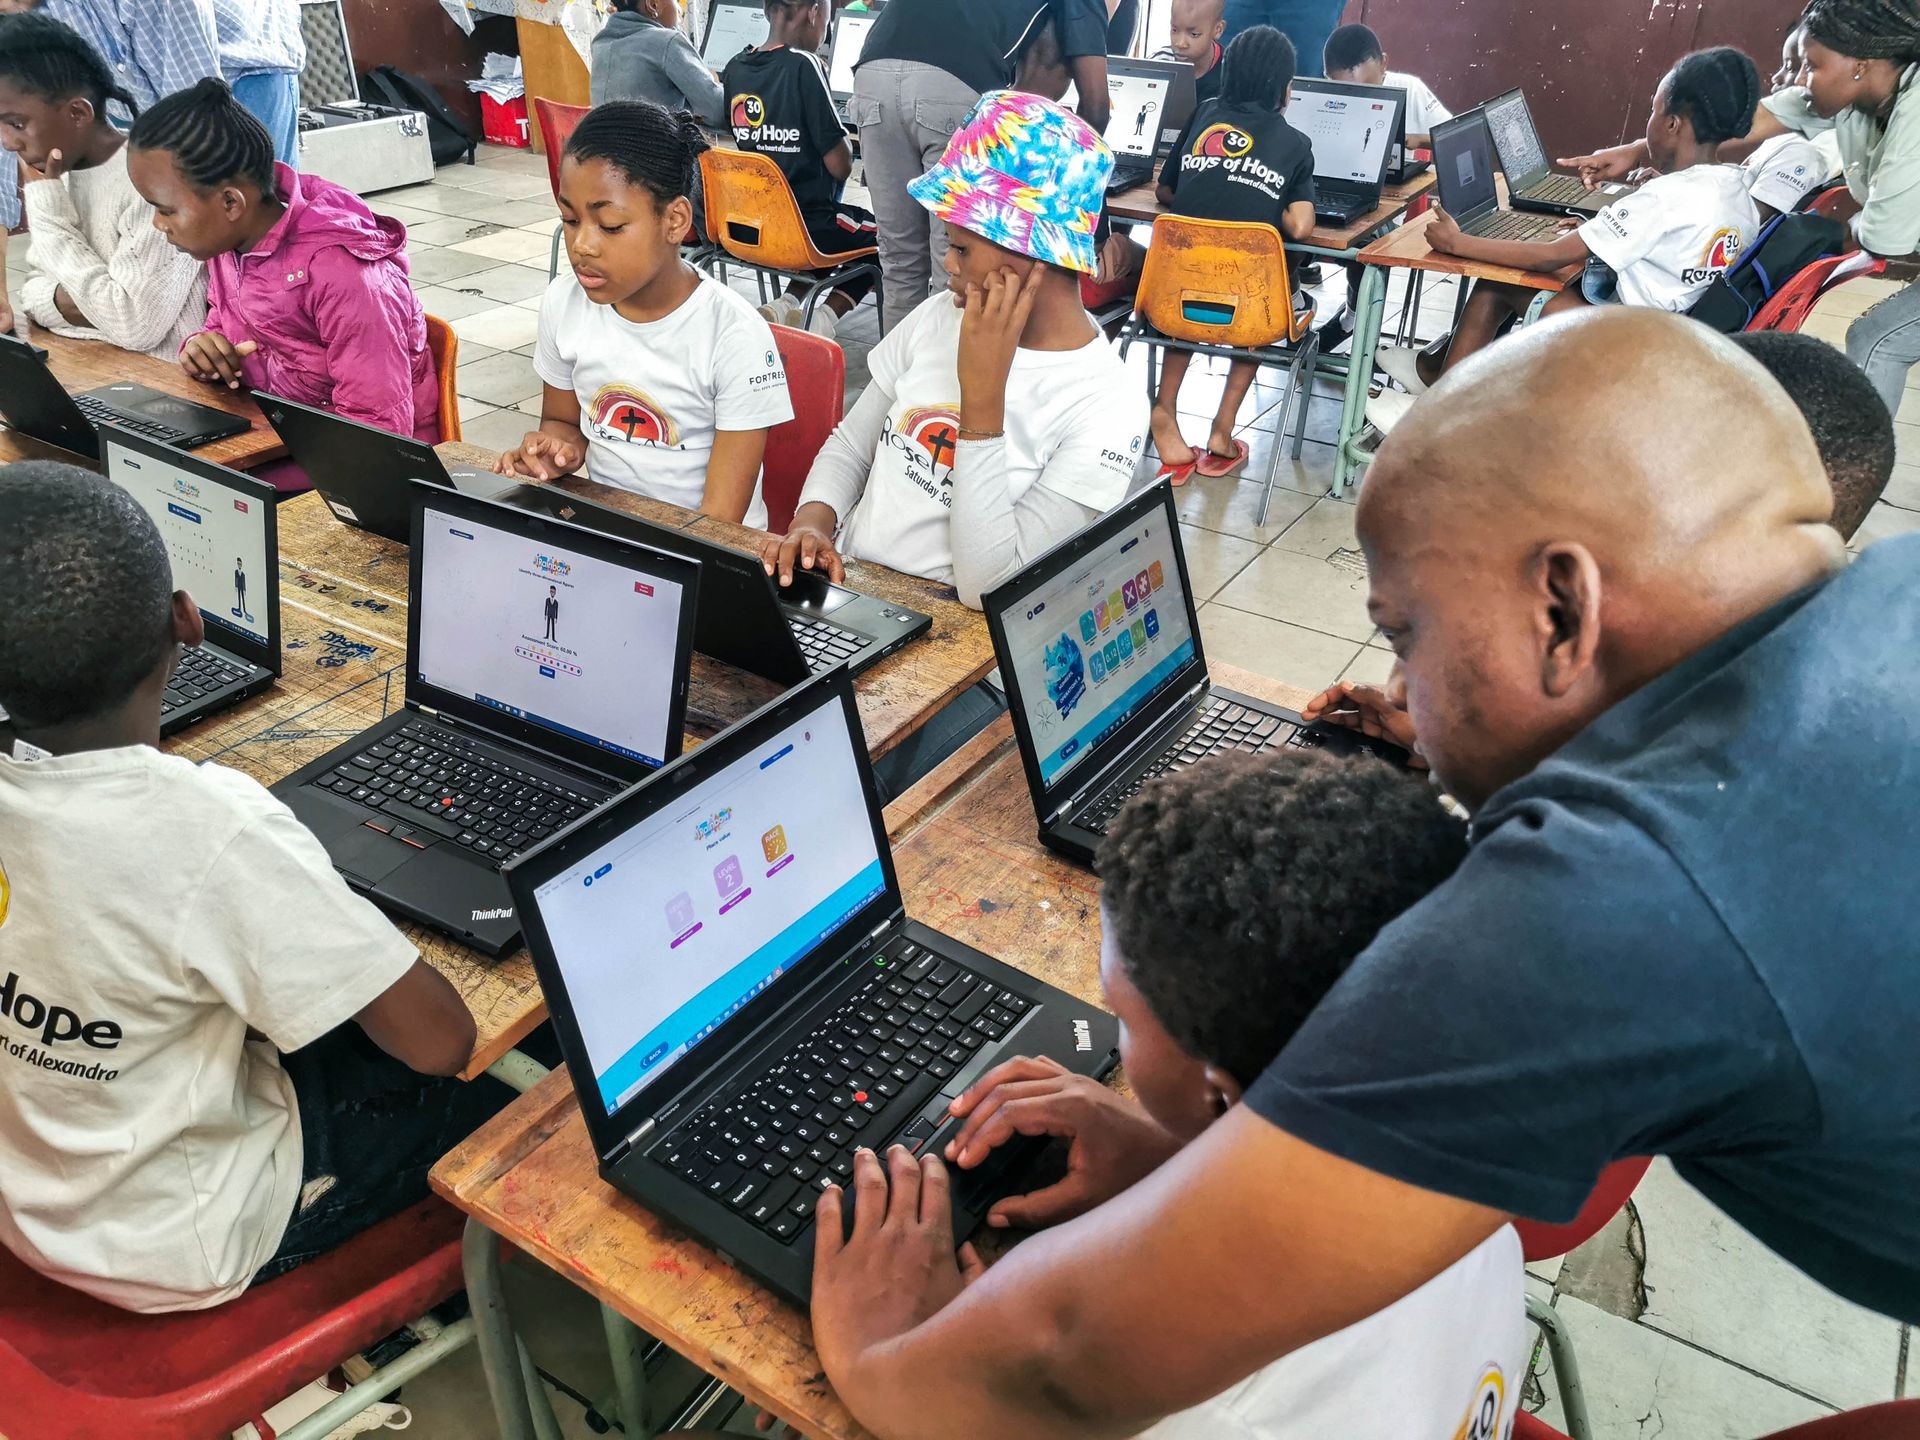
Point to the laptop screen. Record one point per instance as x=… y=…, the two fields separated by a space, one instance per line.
x=1350 y=133
x=1095 y=643
x=1514 y=137
x=575 y=644
x=733 y=28
x=216 y=537
x=1139 y=109
x=668 y=929
x=849 y=39
x=1463 y=164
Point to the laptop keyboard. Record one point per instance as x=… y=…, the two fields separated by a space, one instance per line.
x=426 y=779
x=824 y=645
x=767 y=1149
x=99 y=412
x=1125 y=177
x=1559 y=190
x=199 y=674
x=1221 y=725
x=1508 y=225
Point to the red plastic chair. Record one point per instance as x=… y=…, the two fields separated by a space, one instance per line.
x=1796 y=300
x=1895 y=1420
x=556 y=128
x=817 y=381
x=74 y=1368
x=1836 y=202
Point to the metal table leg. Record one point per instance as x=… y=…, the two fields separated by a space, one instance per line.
x=500 y=1354
x=1369 y=310
x=626 y=1344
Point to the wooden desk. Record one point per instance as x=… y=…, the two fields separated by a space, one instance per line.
x=83 y=365
x=969 y=863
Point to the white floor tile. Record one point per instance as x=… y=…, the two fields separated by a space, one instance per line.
x=448 y=230
x=1325 y=530
x=499 y=430
x=1213 y=559
x=1232 y=507
x=514 y=245
x=1289 y=653
x=1372 y=667
x=1330 y=596
x=431 y=266
x=452 y=303
x=508 y=284
x=505 y=327
x=500 y=380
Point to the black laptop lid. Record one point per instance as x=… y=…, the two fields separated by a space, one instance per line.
x=1353 y=129
x=850 y=30
x=1463 y=165
x=1516 y=144
x=1098 y=640
x=222 y=538
x=36 y=404
x=573 y=643
x=670 y=925
x=734 y=25
x=1152 y=102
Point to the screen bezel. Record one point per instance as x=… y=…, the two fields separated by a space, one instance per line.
x=1519 y=97
x=1181 y=95
x=666 y=788
x=1458 y=130
x=601 y=546
x=235 y=642
x=871 y=18
x=1043 y=572
x=1391 y=95
x=706 y=40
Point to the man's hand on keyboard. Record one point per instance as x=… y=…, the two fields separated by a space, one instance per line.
x=1112 y=1142
x=1371 y=711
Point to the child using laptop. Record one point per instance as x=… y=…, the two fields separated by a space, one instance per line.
x=1660 y=247
x=307 y=289
x=1240 y=160
x=998 y=421
x=1194 y=31
x=96 y=268
x=1234 y=896
x=185 y=1108
x=1353 y=55
x=659 y=379
x=782 y=107
x=640 y=54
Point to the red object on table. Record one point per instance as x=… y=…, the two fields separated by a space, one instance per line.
x=505 y=124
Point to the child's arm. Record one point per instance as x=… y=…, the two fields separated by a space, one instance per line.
x=558 y=447
x=695 y=81
x=1445 y=236
x=368 y=347
x=839 y=160
x=834 y=486
x=422 y=1022
x=1297 y=221
x=732 y=471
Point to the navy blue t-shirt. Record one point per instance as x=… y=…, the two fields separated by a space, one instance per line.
x=1694 y=931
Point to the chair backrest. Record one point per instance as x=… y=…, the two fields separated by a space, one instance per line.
x=1218 y=282
x=556 y=128
x=1617 y=1182
x=817 y=381
x=444 y=346
x=1836 y=202
x=1795 y=301
x=752 y=215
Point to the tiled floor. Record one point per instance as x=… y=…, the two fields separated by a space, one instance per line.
x=1684 y=1324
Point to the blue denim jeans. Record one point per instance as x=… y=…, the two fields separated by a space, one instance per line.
x=1307 y=23
x=1885 y=342
x=274 y=100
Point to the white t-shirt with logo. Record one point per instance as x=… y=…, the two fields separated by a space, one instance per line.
x=1075 y=422
x=1669 y=239
x=1442 y=1363
x=652 y=395
x=1424 y=110
x=151 y=912
x=1783 y=171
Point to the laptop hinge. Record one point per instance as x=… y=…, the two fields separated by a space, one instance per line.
x=628 y=1145
x=1104 y=777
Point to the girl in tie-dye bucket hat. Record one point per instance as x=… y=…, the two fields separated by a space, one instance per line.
x=999 y=421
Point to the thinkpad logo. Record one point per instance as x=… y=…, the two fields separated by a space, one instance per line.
x=504 y=913
x=1082 y=1035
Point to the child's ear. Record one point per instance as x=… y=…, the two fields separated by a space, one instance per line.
x=679 y=219
x=233 y=201
x=80 y=111
x=1223 y=1091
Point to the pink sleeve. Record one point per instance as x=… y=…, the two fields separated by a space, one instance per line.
x=369 y=355
x=217 y=282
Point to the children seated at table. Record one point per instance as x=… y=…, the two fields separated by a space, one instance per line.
x=998 y=420
x=1353 y=55
x=96 y=267
x=1849 y=420
x=658 y=379
x=184 y=1109
x=780 y=106
x=1234 y=896
x=1240 y=160
x=1194 y=31
x=307 y=289
x=640 y=54
x=1661 y=246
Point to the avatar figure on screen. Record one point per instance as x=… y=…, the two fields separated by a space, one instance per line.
x=240 y=589
x=552 y=609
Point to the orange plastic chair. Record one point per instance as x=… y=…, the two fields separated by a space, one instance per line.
x=1219 y=287
x=817 y=380
x=754 y=219
x=556 y=128
x=444 y=346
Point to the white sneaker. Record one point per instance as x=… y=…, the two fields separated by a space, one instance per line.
x=825 y=323
x=1387 y=409
x=781 y=311
x=1402 y=362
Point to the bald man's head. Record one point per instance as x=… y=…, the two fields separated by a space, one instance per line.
x=1572 y=512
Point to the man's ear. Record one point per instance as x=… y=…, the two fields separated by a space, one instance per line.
x=1223 y=1091
x=188 y=628
x=1569 y=596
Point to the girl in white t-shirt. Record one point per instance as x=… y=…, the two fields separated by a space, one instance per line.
x=658 y=379
x=999 y=421
x=1660 y=246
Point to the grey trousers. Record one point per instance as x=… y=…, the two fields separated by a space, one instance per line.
x=906 y=113
x=1885 y=342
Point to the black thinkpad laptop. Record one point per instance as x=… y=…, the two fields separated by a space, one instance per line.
x=1352 y=128
x=221 y=536
x=742 y=999
x=365 y=476
x=1099 y=644
x=1463 y=166
x=733 y=26
x=1531 y=181
x=36 y=404
x=546 y=669
x=1152 y=102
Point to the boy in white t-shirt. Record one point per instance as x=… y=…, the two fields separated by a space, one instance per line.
x=1661 y=246
x=658 y=379
x=176 y=1120
x=999 y=420
x=1234 y=895
x=1354 y=57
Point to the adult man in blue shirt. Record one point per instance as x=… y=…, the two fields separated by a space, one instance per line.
x=1690 y=738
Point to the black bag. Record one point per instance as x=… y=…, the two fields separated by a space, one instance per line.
x=1787 y=244
x=447 y=137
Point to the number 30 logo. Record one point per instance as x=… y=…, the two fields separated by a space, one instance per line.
x=1482 y=1421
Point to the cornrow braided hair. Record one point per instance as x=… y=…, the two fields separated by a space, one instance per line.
x=1717 y=90
x=210 y=135
x=656 y=149
x=1258 y=68
x=1866 y=29
x=54 y=62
